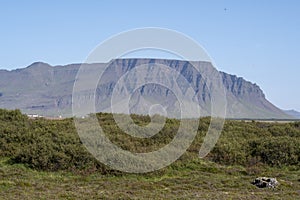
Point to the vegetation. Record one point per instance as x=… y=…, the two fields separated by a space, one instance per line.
x=42 y=158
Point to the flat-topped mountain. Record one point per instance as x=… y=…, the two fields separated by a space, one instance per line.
x=47 y=90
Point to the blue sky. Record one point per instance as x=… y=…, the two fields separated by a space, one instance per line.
x=256 y=39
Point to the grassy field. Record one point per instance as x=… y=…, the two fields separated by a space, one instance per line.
x=197 y=179
x=44 y=159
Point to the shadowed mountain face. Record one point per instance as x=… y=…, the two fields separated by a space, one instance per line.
x=47 y=90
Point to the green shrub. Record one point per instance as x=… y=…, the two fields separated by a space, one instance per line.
x=278 y=151
x=54 y=144
x=230 y=153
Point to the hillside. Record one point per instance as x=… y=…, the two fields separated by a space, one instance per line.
x=47 y=90
x=293 y=113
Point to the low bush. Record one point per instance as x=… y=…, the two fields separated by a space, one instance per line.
x=54 y=144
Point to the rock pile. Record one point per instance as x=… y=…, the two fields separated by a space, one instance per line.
x=264 y=182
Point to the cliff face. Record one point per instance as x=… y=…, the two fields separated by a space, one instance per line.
x=247 y=100
x=47 y=90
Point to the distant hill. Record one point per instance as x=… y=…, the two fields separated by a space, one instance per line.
x=293 y=113
x=47 y=90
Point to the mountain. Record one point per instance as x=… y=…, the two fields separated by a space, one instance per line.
x=47 y=90
x=293 y=113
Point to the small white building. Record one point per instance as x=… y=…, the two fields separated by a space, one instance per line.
x=33 y=115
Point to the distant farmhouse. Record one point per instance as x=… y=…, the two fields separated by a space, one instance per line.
x=33 y=115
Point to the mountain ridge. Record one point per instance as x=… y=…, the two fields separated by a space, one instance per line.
x=47 y=90
x=293 y=113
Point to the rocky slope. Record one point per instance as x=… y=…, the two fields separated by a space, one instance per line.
x=47 y=90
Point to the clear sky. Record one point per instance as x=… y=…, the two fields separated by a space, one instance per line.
x=256 y=39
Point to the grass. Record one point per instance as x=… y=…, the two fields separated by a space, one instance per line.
x=198 y=179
